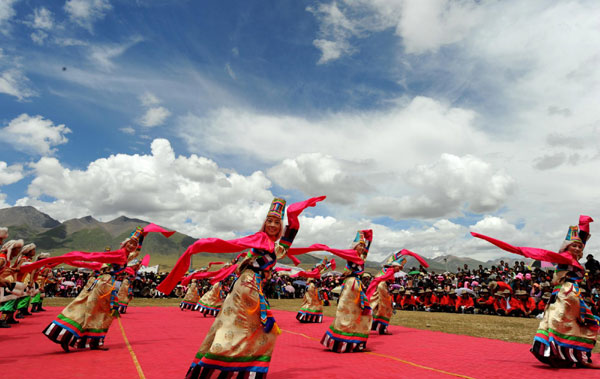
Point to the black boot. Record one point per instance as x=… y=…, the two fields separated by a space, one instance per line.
x=11 y=318
x=25 y=311
x=34 y=307
x=3 y=320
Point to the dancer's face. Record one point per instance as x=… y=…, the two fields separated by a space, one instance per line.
x=360 y=249
x=273 y=226
x=576 y=250
x=130 y=245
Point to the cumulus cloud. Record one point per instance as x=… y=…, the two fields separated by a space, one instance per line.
x=34 y=134
x=154 y=115
x=10 y=174
x=408 y=132
x=86 y=12
x=191 y=194
x=42 y=19
x=14 y=82
x=446 y=188
x=318 y=173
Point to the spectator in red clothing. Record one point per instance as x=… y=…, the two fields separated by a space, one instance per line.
x=436 y=299
x=465 y=304
x=529 y=306
x=486 y=302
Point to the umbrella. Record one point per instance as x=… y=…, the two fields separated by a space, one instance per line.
x=289 y=288
x=399 y=274
x=542 y=264
x=337 y=290
x=416 y=272
x=68 y=283
x=462 y=290
x=299 y=283
x=394 y=286
x=332 y=273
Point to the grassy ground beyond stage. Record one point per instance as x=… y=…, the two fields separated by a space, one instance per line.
x=511 y=329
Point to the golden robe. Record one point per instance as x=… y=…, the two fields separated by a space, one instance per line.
x=567 y=333
x=211 y=301
x=311 y=309
x=191 y=297
x=382 y=305
x=242 y=338
x=350 y=329
x=85 y=321
x=124 y=295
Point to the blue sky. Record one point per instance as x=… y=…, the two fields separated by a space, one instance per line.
x=421 y=120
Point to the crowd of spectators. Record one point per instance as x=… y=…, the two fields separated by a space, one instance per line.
x=517 y=290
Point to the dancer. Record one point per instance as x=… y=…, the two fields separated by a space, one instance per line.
x=311 y=310
x=26 y=255
x=379 y=295
x=40 y=277
x=191 y=297
x=567 y=333
x=212 y=300
x=242 y=338
x=12 y=290
x=86 y=320
x=350 y=329
x=125 y=293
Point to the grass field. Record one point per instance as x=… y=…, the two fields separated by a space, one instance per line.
x=513 y=329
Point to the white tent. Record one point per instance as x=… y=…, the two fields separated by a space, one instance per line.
x=148 y=269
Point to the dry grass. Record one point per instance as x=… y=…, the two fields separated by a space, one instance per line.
x=512 y=329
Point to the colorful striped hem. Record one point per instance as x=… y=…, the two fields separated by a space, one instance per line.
x=208 y=307
x=250 y=363
x=76 y=329
x=310 y=311
x=563 y=340
x=381 y=320
x=346 y=337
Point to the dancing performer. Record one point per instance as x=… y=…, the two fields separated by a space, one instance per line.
x=86 y=320
x=212 y=300
x=39 y=278
x=191 y=297
x=26 y=256
x=242 y=338
x=311 y=310
x=350 y=329
x=567 y=333
x=11 y=289
x=125 y=291
x=379 y=295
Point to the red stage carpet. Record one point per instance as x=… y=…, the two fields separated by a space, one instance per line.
x=161 y=343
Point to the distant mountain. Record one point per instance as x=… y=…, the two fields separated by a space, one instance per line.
x=89 y=234
x=29 y=216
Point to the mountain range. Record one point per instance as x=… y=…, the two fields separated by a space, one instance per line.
x=89 y=234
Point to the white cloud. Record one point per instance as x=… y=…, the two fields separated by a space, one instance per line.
x=86 y=12
x=38 y=37
x=154 y=117
x=14 y=82
x=10 y=174
x=230 y=71
x=331 y=50
x=34 y=134
x=42 y=19
x=447 y=187
x=412 y=131
x=128 y=130
x=317 y=173
x=190 y=194
x=103 y=55
x=148 y=99
x=7 y=12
